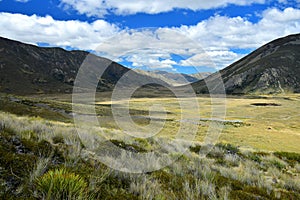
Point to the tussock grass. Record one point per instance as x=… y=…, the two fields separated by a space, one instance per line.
x=46 y=159
x=61 y=184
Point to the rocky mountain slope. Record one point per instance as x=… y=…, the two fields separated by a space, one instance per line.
x=174 y=79
x=200 y=75
x=28 y=69
x=273 y=68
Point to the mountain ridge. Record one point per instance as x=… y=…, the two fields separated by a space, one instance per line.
x=29 y=69
x=174 y=79
x=272 y=68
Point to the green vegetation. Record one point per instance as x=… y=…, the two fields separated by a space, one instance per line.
x=290 y=157
x=60 y=184
x=42 y=156
x=39 y=162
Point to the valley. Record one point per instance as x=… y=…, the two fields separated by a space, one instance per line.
x=266 y=122
x=256 y=156
x=168 y=140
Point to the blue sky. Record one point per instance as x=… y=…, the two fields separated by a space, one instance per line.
x=185 y=36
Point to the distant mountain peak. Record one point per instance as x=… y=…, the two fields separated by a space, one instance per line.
x=174 y=79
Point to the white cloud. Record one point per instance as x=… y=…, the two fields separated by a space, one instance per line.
x=212 y=59
x=147 y=61
x=287 y=15
x=237 y=32
x=149 y=48
x=34 y=29
x=219 y=34
x=160 y=41
x=216 y=35
x=207 y=43
x=127 y=7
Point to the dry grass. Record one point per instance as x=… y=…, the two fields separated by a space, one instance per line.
x=268 y=128
x=227 y=172
x=248 y=169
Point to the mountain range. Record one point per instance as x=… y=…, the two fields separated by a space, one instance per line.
x=29 y=69
x=175 y=79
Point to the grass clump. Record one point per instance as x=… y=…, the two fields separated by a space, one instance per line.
x=229 y=148
x=33 y=151
x=61 y=184
x=290 y=157
x=273 y=161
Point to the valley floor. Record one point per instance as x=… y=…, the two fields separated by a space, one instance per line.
x=256 y=155
x=264 y=123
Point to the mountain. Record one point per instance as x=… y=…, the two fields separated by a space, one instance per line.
x=200 y=75
x=28 y=69
x=174 y=79
x=273 y=68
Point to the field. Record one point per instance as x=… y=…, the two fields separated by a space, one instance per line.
x=263 y=123
x=256 y=156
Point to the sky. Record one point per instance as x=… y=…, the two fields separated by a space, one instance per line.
x=186 y=36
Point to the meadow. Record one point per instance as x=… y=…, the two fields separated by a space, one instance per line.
x=262 y=123
x=257 y=155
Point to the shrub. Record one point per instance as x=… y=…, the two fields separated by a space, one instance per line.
x=61 y=184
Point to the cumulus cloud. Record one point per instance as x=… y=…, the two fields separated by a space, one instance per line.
x=150 y=62
x=237 y=32
x=73 y=33
x=217 y=58
x=219 y=34
x=148 y=48
x=159 y=41
x=128 y=7
x=209 y=43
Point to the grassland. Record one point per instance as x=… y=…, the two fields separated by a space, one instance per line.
x=256 y=157
x=272 y=126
